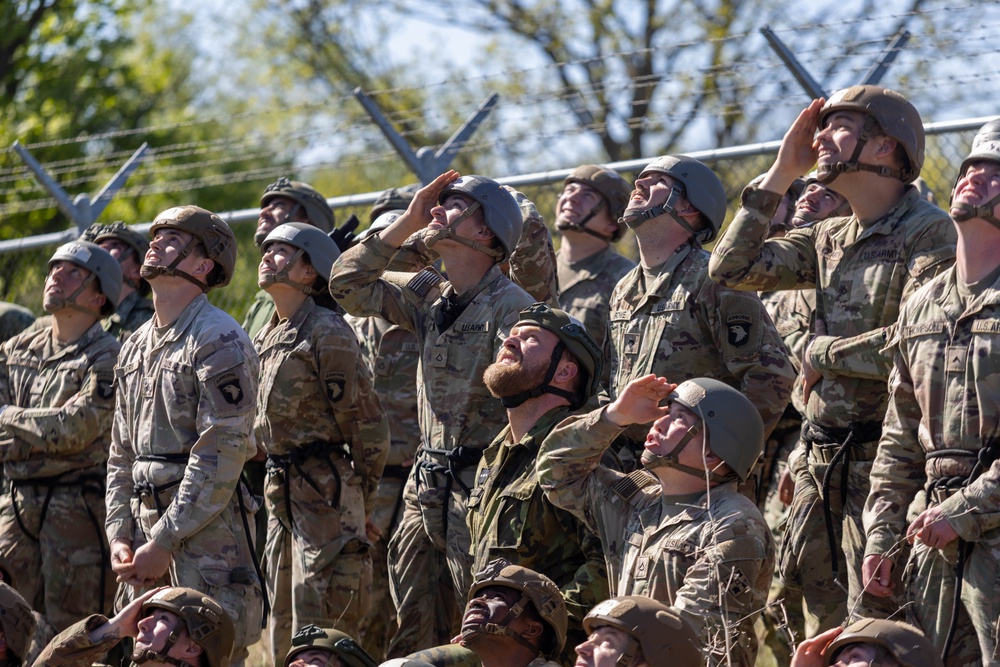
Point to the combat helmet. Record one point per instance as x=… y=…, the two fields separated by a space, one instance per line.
x=103 y=268
x=340 y=644
x=119 y=231
x=501 y=214
x=392 y=199
x=574 y=337
x=383 y=221
x=17 y=621
x=695 y=181
x=318 y=248
x=733 y=428
x=206 y=228
x=536 y=589
x=317 y=211
x=906 y=644
x=661 y=632
x=207 y=623
x=809 y=219
x=612 y=187
x=885 y=109
x=985 y=147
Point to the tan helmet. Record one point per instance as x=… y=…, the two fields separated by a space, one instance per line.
x=340 y=644
x=318 y=248
x=17 y=620
x=207 y=623
x=207 y=228
x=699 y=184
x=103 y=268
x=535 y=588
x=317 y=211
x=905 y=643
x=985 y=147
x=662 y=633
x=393 y=199
x=893 y=113
x=613 y=188
x=501 y=214
x=574 y=337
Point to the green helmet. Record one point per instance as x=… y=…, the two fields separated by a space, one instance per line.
x=118 y=231
x=535 y=588
x=699 y=184
x=501 y=214
x=893 y=113
x=662 y=633
x=340 y=644
x=319 y=249
x=17 y=620
x=207 y=228
x=208 y=624
x=393 y=199
x=610 y=184
x=103 y=268
x=573 y=336
x=906 y=644
x=317 y=211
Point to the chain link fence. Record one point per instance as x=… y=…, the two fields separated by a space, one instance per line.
x=22 y=270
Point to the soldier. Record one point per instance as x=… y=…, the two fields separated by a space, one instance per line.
x=17 y=627
x=668 y=318
x=868 y=642
x=941 y=434
x=869 y=141
x=187 y=385
x=128 y=247
x=172 y=627
x=677 y=531
x=636 y=631
x=326 y=647
x=284 y=201
x=326 y=439
x=549 y=366
x=459 y=326
x=587 y=214
x=13 y=320
x=56 y=409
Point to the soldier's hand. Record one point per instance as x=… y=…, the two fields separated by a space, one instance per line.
x=427 y=197
x=798 y=150
x=125 y=623
x=786 y=487
x=150 y=562
x=121 y=558
x=810 y=652
x=932 y=528
x=639 y=402
x=876 y=574
x=373 y=532
x=810 y=376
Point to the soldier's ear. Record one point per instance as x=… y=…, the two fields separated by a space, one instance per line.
x=532 y=630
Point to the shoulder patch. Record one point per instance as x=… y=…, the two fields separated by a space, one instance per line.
x=424 y=281
x=335 y=382
x=626 y=487
x=230 y=388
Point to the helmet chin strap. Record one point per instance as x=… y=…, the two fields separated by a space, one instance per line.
x=150 y=272
x=652 y=461
x=627 y=658
x=635 y=220
x=70 y=301
x=449 y=233
x=147 y=655
x=502 y=628
x=966 y=212
x=581 y=225
x=544 y=388
x=281 y=276
x=826 y=174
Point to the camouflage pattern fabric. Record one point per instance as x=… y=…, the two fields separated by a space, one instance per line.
x=13 y=320
x=456 y=655
x=259 y=313
x=684 y=326
x=862 y=274
x=455 y=409
x=187 y=392
x=710 y=556
x=316 y=408
x=510 y=518
x=134 y=311
x=55 y=434
x=944 y=413
x=532 y=264
x=73 y=647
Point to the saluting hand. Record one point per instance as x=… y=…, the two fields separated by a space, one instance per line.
x=639 y=402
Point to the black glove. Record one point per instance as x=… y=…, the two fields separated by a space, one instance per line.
x=344 y=235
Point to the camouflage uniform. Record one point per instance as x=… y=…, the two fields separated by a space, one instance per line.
x=944 y=412
x=55 y=433
x=133 y=311
x=710 y=556
x=510 y=518
x=13 y=320
x=259 y=313
x=455 y=655
x=533 y=261
x=326 y=438
x=585 y=288
x=74 y=648
x=392 y=354
x=458 y=417
x=685 y=326
x=861 y=275
x=182 y=432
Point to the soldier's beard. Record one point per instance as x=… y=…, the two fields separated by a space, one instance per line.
x=506 y=379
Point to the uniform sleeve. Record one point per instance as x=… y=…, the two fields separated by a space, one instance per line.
x=119 y=523
x=898 y=470
x=356 y=283
x=533 y=261
x=73 y=647
x=227 y=375
x=70 y=427
x=745 y=259
x=356 y=408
